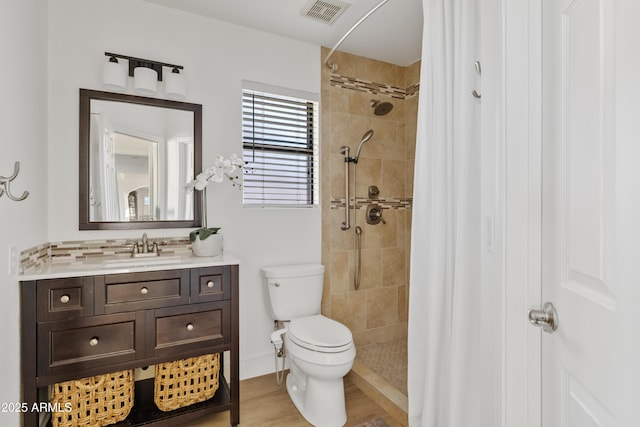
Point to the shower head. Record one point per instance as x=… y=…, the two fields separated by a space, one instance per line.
x=381 y=108
x=367 y=136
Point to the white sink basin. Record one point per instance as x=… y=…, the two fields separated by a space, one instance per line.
x=137 y=262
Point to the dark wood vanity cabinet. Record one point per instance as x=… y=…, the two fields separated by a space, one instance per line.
x=83 y=326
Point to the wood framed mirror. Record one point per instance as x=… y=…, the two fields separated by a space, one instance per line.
x=136 y=155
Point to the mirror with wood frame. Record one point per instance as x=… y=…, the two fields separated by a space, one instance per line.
x=136 y=155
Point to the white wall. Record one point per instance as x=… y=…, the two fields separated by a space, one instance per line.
x=216 y=56
x=23 y=121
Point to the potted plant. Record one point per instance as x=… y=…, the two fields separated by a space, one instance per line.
x=206 y=241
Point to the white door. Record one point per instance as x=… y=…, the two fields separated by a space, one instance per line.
x=589 y=234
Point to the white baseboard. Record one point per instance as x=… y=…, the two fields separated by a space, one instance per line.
x=259 y=365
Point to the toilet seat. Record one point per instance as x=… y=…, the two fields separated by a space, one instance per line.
x=321 y=334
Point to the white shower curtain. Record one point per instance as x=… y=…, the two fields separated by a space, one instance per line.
x=444 y=311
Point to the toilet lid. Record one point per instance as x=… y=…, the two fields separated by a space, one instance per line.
x=320 y=333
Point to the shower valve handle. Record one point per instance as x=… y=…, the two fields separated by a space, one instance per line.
x=374 y=215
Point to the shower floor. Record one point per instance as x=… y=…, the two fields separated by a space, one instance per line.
x=388 y=360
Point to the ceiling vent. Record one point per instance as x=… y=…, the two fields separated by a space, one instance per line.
x=326 y=11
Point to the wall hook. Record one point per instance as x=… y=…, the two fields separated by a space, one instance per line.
x=5 y=185
x=478 y=67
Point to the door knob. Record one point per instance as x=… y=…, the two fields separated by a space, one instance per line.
x=547 y=318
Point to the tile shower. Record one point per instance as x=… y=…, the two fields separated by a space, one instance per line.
x=377 y=312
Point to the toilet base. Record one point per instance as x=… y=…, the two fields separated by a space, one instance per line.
x=320 y=402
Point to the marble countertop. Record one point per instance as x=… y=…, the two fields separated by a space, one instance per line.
x=116 y=265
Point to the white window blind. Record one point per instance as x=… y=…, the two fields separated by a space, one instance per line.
x=280 y=150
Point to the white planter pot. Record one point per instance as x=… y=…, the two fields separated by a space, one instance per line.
x=211 y=246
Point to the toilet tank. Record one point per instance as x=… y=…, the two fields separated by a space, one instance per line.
x=294 y=290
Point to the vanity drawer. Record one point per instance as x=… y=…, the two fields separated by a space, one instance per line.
x=139 y=291
x=67 y=346
x=188 y=328
x=211 y=284
x=60 y=299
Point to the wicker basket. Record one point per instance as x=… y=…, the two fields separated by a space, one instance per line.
x=94 y=401
x=185 y=382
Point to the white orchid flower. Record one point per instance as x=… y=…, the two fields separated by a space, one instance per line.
x=201 y=181
x=222 y=168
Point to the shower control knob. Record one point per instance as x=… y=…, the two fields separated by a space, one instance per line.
x=374 y=215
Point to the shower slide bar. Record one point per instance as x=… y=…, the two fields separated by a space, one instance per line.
x=347 y=223
x=333 y=66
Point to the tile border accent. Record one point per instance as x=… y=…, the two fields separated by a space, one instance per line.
x=352 y=83
x=362 y=203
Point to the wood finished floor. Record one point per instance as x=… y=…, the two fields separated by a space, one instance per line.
x=263 y=403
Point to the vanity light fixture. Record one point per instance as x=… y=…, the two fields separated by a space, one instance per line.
x=146 y=75
x=145 y=80
x=175 y=87
x=114 y=75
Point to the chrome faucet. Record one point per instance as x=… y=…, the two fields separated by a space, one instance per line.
x=145 y=248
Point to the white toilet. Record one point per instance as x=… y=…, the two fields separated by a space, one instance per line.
x=320 y=350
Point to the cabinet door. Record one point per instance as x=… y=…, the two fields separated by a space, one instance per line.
x=189 y=328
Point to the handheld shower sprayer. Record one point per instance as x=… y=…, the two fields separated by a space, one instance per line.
x=367 y=136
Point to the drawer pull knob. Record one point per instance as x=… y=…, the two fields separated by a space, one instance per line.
x=65 y=299
x=93 y=342
x=210 y=284
x=144 y=291
x=190 y=327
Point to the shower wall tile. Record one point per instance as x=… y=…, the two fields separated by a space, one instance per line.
x=367 y=69
x=412 y=74
x=393 y=260
x=409 y=173
x=381 y=334
x=341 y=240
x=393 y=177
x=382 y=235
x=339 y=271
x=347 y=130
x=403 y=304
x=339 y=100
x=369 y=173
x=401 y=229
x=408 y=246
x=371 y=273
x=382 y=307
x=349 y=308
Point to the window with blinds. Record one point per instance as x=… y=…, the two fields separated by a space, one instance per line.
x=280 y=150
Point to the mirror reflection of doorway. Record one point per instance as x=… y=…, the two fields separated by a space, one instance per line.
x=136 y=160
x=138 y=205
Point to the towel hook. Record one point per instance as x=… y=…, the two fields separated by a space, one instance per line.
x=479 y=71
x=478 y=67
x=5 y=185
